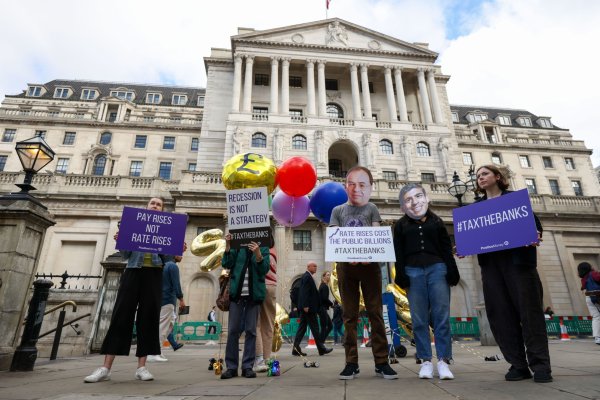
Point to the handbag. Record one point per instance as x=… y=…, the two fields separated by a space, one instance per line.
x=223 y=297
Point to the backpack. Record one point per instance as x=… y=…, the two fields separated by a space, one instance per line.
x=592 y=289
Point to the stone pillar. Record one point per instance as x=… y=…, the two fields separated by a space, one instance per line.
x=400 y=94
x=285 y=86
x=389 y=90
x=274 y=108
x=437 y=111
x=355 y=91
x=310 y=88
x=321 y=89
x=248 y=82
x=424 y=95
x=237 y=83
x=364 y=77
x=23 y=225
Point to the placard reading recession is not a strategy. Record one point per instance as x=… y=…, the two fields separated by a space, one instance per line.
x=248 y=216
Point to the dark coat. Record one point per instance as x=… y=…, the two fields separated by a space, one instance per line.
x=324 y=296
x=242 y=262
x=337 y=315
x=309 y=295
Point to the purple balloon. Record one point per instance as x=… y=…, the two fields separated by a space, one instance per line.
x=290 y=211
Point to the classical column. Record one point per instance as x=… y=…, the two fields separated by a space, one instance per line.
x=355 y=91
x=364 y=77
x=274 y=109
x=389 y=90
x=424 y=96
x=285 y=86
x=310 y=88
x=237 y=83
x=437 y=111
x=400 y=94
x=321 y=89
x=248 y=82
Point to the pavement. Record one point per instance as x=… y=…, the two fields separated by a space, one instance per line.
x=575 y=364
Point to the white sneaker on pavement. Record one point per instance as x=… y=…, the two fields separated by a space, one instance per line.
x=100 y=374
x=444 y=370
x=426 y=371
x=597 y=340
x=143 y=374
x=261 y=366
x=157 y=358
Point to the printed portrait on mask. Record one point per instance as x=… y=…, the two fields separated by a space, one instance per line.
x=414 y=201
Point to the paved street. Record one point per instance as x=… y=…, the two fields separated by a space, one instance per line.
x=576 y=370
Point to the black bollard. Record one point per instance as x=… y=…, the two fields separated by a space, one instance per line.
x=26 y=354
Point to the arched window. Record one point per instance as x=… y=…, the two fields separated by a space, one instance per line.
x=259 y=140
x=105 y=138
x=496 y=158
x=334 y=111
x=99 y=165
x=299 y=142
x=386 y=147
x=423 y=149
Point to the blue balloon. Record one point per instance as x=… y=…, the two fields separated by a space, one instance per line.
x=325 y=198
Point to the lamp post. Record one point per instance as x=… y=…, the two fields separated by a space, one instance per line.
x=34 y=155
x=472 y=182
x=457 y=188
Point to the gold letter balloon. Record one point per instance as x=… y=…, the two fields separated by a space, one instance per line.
x=249 y=170
x=209 y=243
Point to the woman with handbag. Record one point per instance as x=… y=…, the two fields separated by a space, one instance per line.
x=590 y=282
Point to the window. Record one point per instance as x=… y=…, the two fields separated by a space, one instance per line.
x=88 y=94
x=473 y=117
x=260 y=110
x=3 y=162
x=164 y=171
x=547 y=162
x=261 y=79
x=554 y=188
x=194 y=144
x=577 y=188
x=123 y=95
x=302 y=241
x=112 y=116
x=454 y=116
x=148 y=118
x=69 y=138
x=105 y=138
x=295 y=113
x=41 y=134
x=62 y=165
x=135 y=169
x=334 y=111
x=390 y=175
x=153 y=98
x=496 y=158
x=331 y=84
x=504 y=120
x=140 y=141
x=192 y=166
x=9 y=135
x=299 y=142
x=569 y=163
x=427 y=177
x=423 y=149
x=168 y=143
x=295 y=81
x=524 y=121
x=34 y=91
x=524 y=160
x=386 y=147
x=99 y=165
x=200 y=101
x=491 y=137
x=544 y=123
x=467 y=158
x=530 y=182
x=61 y=93
x=259 y=140
x=179 y=99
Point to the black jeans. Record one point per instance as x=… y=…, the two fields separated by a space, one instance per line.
x=309 y=319
x=325 y=324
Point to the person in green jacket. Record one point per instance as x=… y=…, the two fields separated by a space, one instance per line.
x=247 y=269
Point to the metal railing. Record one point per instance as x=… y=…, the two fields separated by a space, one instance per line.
x=65 y=275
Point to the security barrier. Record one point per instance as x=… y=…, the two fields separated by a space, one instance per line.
x=197 y=330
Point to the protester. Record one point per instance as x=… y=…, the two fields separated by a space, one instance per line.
x=354 y=277
x=325 y=324
x=426 y=268
x=338 y=322
x=140 y=290
x=586 y=272
x=266 y=316
x=513 y=295
x=248 y=267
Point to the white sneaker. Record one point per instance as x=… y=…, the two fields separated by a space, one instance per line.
x=101 y=374
x=426 y=371
x=158 y=358
x=444 y=370
x=261 y=366
x=597 y=340
x=143 y=374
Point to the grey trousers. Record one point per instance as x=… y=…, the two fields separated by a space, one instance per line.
x=243 y=314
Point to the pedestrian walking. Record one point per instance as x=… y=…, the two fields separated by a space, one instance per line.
x=590 y=278
x=325 y=324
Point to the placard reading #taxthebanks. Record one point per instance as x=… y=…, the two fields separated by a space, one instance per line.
x=248 y=217
x=152 y=231
x=361 y=244
x=500 y=223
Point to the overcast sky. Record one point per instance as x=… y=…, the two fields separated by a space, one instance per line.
x=538 y=55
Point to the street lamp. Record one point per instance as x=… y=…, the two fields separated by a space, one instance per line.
x=34 y=155
x=472 y=182
x=457 y=188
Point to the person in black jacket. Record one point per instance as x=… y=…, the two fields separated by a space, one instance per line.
x=309 y=304
x=338 y=322
x=513 y=296
x=426 y=268
x=324 y=320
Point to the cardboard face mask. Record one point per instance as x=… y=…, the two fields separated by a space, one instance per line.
x=358 y=188
x=415 y=203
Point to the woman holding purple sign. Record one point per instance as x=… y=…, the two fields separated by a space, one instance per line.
x=513 y=295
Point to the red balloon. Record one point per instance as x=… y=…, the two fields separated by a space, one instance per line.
x=296 y=176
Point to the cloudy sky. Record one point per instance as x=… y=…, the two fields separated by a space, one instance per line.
x=538 y=55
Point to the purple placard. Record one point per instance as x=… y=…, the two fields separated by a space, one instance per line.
x=500 y=223
x=152 y=231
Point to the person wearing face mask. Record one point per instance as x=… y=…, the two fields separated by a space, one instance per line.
x=426 y=268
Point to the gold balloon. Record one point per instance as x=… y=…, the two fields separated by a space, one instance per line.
x=209 y=243
x=281 y=318
x=249 y=170
x=335 y=289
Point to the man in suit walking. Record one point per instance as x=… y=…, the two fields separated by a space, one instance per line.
x=309 y=305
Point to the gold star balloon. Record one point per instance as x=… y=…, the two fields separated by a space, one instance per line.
x=249 y=170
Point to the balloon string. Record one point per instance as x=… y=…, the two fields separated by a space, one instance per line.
x=291 y=221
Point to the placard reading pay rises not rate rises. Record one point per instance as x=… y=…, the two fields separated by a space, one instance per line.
x=363 y=244
x=248 y=216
